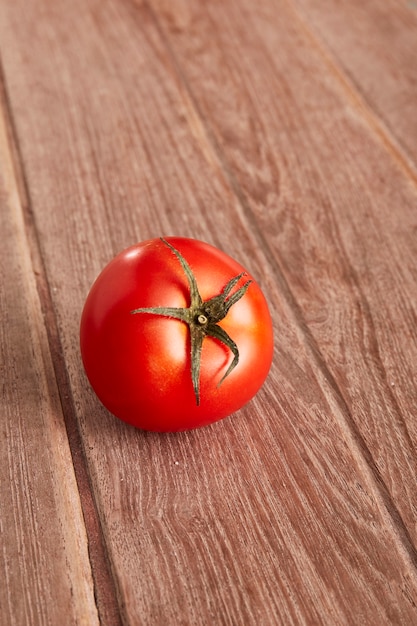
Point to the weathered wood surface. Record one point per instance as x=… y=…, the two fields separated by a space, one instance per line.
x=225 y=122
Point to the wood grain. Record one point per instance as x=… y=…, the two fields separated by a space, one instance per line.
x=45 y=569
x=182 y=118
x=376 y=46
x=339 y=213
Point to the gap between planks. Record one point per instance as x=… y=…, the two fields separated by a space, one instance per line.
x=336 y=400
x=104 y=586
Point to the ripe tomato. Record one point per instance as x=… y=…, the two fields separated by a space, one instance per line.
x=175 y=335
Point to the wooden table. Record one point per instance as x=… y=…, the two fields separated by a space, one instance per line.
x=285 y=133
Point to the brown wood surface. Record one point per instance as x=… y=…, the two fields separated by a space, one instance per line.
x=374 y=46
x=252 y=126
x=45 y=569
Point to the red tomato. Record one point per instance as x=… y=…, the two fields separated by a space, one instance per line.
x=175 y=335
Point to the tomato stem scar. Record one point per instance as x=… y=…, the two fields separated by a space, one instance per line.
x=203 y=317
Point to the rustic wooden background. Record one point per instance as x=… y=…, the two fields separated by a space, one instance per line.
x=284 y=132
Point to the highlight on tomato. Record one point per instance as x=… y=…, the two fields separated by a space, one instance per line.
x=175 y=335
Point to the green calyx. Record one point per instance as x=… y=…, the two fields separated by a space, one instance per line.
x=202 y=318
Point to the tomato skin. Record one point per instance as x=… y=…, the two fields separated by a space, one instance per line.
x=139 y=365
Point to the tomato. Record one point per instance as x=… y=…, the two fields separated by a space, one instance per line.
x=175 y=335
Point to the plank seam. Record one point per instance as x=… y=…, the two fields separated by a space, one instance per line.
x=345 y=417
x=104 y=585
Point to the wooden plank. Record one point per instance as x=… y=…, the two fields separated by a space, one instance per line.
x=375 y=45
x=275 y=515
x=44 y=566
x=339 y=212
